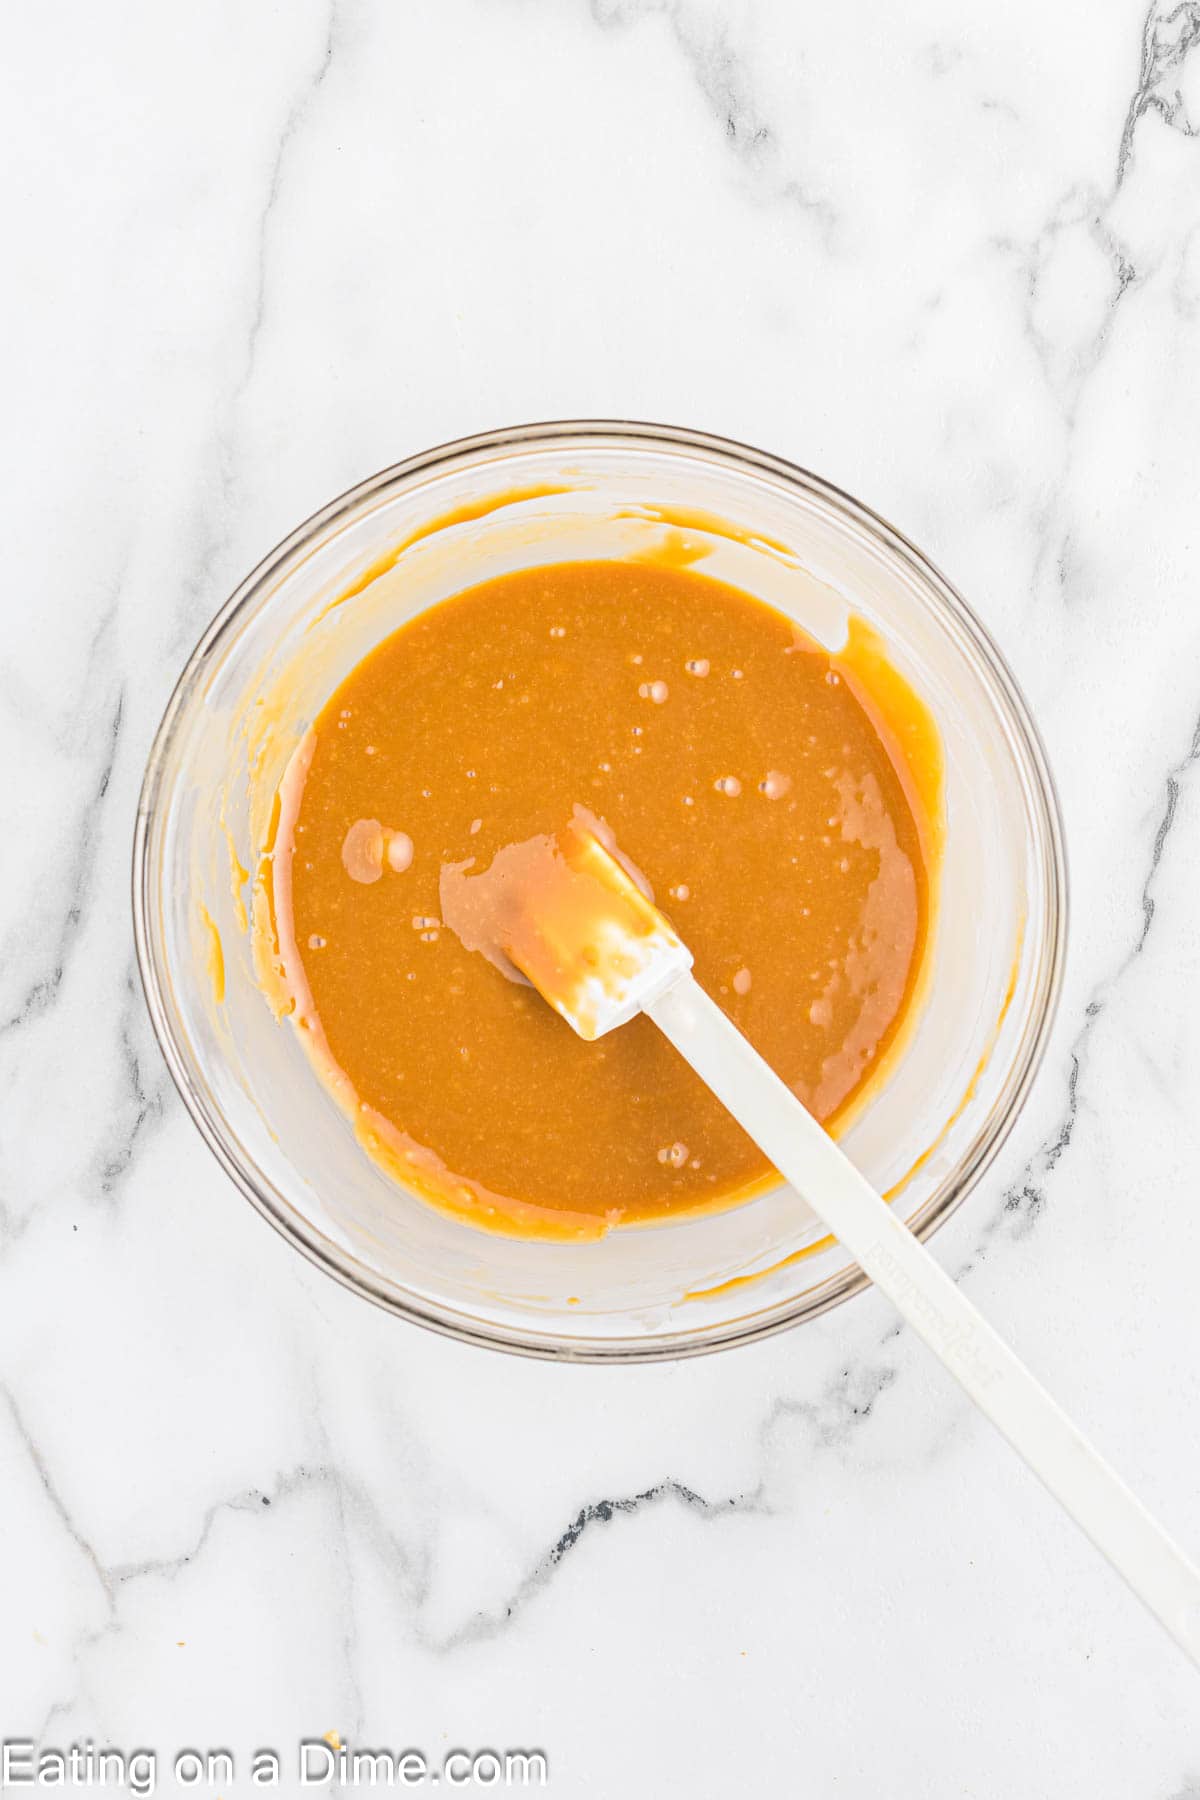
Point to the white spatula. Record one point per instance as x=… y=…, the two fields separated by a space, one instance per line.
x=571 y=918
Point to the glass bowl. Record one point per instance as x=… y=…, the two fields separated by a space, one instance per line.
x=397 y=544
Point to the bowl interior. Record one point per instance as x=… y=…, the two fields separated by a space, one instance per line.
x=460 y=516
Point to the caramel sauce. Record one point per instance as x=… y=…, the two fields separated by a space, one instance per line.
x=782 y=800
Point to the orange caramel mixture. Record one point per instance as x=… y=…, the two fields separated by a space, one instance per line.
x=770 y=798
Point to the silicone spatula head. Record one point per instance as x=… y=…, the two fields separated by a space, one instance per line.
x=563 y=910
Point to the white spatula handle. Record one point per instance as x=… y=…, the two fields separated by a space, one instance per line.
x=994 y=1377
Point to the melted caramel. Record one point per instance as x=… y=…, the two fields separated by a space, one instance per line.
x=780 y=799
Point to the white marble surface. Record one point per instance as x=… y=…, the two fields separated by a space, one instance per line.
x=948 y=256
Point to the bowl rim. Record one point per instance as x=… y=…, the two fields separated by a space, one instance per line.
x=552 y=1345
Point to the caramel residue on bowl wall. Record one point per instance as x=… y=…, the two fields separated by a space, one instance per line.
x=673 y=550
x=466 y=514
x=277 y=965
x=696 y=518
x=905 y=723
x=215 y=955
x=238 y=875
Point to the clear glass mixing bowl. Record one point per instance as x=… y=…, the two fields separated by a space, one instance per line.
x=464 y=512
